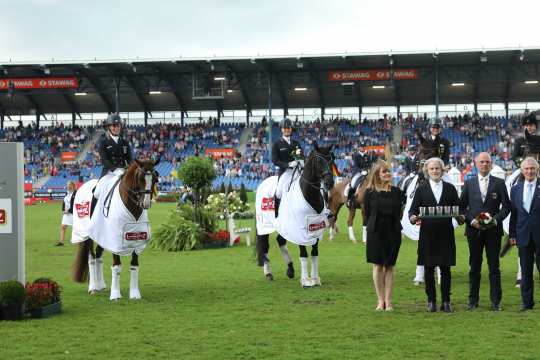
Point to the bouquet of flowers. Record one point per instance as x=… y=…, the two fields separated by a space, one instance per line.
x=485 y=220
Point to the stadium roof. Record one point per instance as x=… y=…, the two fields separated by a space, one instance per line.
x=309 y=81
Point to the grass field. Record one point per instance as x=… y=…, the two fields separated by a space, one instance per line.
x=216 y=304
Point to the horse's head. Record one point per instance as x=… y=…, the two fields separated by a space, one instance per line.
x=321 y=162
x=142 y=179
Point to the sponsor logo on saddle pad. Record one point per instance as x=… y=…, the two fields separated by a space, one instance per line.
x=3 y=218
x=317 y=226
x=83 y=209
x=139 y=235
x=267 y=204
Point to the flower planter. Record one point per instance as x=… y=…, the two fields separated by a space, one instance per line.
x=46 y=310
x=12 y=312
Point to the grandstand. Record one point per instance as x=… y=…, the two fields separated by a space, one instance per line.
x=347 y=100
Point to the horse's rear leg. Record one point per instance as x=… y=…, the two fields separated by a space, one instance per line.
x=286 y=256
x=350 y=223
x=364 y=225
x=134 y=292
x=100 y=284
x=92 y=274
x=316 y=280
x=305 y=280
x=262 y=248
x=115 y=282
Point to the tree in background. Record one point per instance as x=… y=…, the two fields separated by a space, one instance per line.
x=197 y=173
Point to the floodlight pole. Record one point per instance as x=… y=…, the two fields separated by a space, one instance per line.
x=270 y=109
x=436 y=86
x=117 y=93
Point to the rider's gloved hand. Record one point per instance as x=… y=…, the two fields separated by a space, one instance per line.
x=293 y=164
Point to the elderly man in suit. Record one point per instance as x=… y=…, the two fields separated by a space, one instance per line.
x=525 y=227
x=436 y=243
x=484 y=194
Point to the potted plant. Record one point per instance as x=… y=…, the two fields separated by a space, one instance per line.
x=12 y=297
x=43 y=298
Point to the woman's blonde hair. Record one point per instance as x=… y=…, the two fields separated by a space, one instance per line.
x=72 y=185
x=374 y=181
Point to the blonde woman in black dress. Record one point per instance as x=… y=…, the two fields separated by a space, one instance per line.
x=383 y=206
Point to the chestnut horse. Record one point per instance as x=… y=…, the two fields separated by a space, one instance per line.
x=136 y=188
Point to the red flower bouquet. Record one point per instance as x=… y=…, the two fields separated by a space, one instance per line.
x=485 y=220
x=42 y=292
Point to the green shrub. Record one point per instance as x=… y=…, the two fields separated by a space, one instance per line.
x=180 y=232
x=11 y=293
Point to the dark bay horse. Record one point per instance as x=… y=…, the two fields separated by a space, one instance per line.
x=136 y=189
x=314 y=182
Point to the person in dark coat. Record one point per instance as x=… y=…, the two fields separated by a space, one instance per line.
x=287 y=154
x=361 y=163
x=525 y=227
x=484 y=194
x=434 y=145
x=114 y=152
x=529 y=144
x=436 y=243
x=383 y=204
x=411 y=163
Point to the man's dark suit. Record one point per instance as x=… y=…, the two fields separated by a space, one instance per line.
x=525 y=228
x=497 y=204
x=282 y=153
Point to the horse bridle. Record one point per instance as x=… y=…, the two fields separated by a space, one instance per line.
x=137 y=196
x=328 y=172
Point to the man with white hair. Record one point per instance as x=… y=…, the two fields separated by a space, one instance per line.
x=436 y=244
x=484 y=194
x=525 y=227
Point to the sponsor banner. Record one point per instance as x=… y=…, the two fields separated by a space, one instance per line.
x=54 y=194
x=218 y=153
x=267 y=204
x=41 y=83
x=379 y=149
x=136 y=235
x=6 y=216
x=372 y=75
x=68 y=156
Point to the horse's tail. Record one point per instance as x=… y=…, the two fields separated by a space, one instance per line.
x=80 y=266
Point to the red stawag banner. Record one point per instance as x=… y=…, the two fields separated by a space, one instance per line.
x=218 y=153
x=373 y=75
x=67 y=156
x=41 y=83
x=378 y=149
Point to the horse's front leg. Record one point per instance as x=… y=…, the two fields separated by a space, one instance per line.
x=100 y=284
x=134 y=292
x=115 y=283
x=305 y=280
x=364 y=225
x=350 y=223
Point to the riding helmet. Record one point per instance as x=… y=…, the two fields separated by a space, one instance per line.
x=286 y=123
x=112 y=119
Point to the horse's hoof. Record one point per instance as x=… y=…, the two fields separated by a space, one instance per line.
x=316 y=281
x=115 y=295
x=290 y=271
x=92 y=292
x=134 y=294
x=269 y=277
x=306 y=283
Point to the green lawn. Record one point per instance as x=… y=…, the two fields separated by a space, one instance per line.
x=216 y=304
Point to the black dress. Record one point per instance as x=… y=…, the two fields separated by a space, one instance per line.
x=383 y=219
